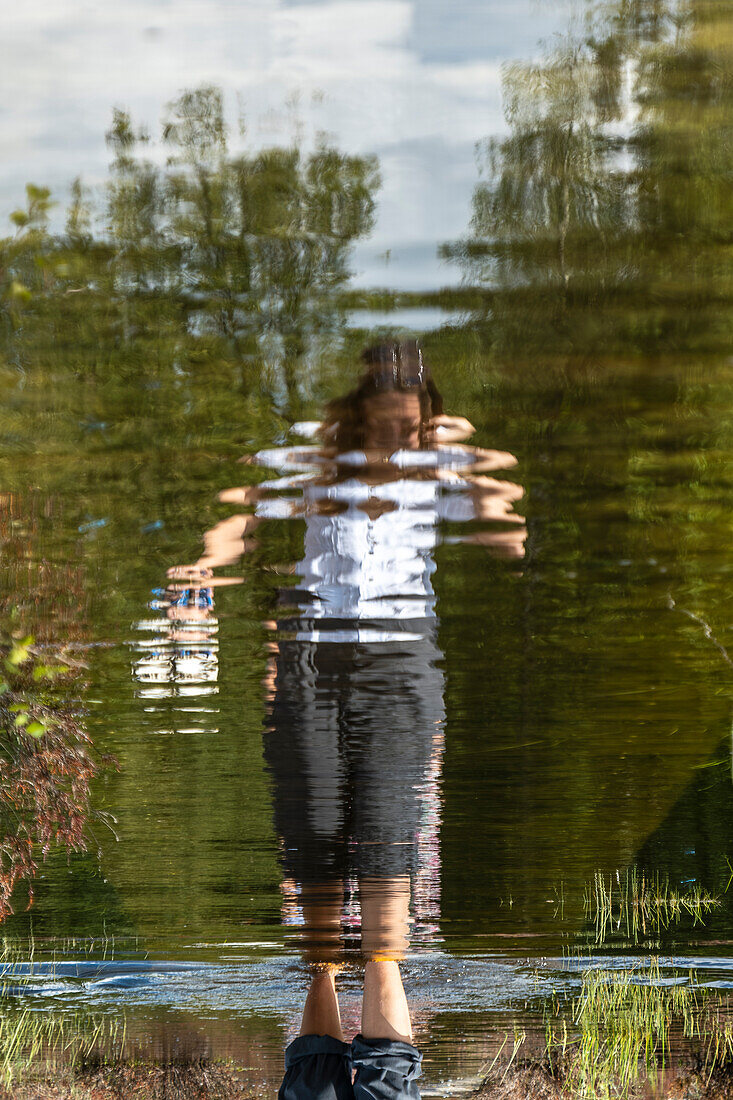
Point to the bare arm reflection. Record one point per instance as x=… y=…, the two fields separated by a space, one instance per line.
x=492 y=501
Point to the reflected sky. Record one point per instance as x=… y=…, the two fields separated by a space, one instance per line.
x=417 y=83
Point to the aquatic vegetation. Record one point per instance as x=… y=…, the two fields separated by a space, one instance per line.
x=46 y=768
x=638 y=903
x=623 y=1019
x=519 y=1039
x=616 y=1032
x=32 y=1037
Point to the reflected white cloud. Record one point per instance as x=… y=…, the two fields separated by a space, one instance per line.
x=415 y=81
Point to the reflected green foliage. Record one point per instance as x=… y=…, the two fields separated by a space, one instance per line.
x=605 y=215
x=600 y=242
x=46 y=769
x=197 y=309
x=196 y=290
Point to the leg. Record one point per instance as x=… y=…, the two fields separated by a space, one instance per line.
x=387 y=1065
x=321 y=1014
x=385 y=906
x=317 y=1063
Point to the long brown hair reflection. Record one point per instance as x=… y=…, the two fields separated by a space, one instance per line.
x=390 y=368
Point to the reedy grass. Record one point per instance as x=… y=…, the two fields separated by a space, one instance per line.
x=638 y=904
x=31 y=1040
x=34 y=1038
x=623 y=1019
x=616 y=1032
x=519 y=1038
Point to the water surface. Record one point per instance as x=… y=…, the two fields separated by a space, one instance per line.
x=579 y=692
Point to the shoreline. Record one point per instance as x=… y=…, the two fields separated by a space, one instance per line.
x=686 y=1078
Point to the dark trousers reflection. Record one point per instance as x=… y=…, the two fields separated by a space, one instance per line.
x=353 y=733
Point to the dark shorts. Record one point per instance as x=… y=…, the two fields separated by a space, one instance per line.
x=318 y=1067
x=349 y=739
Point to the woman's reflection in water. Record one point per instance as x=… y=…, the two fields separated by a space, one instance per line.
x=354 y=733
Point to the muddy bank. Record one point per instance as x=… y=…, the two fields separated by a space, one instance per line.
x=140 y=1081
x=216 y=1081
x=537 y=1082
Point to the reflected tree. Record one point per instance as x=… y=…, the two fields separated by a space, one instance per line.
x=605 y=212
x=599 y=256
x=214 y=270
x=247 y=250
x=171 y=315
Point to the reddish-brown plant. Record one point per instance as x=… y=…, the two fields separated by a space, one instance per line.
x=46 y=769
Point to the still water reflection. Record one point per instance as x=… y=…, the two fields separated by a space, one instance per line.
x=354 y=731
x=560 y=695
